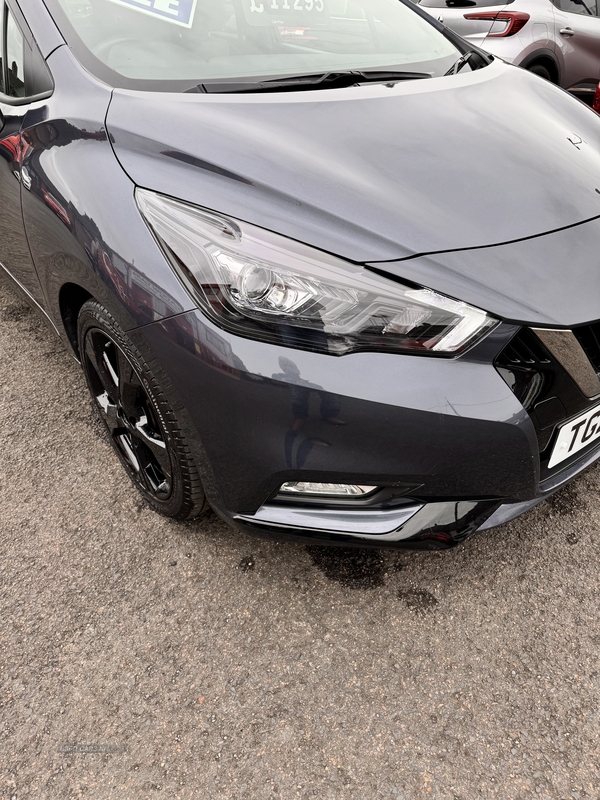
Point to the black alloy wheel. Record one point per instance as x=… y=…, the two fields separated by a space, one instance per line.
x=128 y=414
x=142 y=427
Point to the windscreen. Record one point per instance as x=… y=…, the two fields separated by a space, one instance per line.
x=203 y=40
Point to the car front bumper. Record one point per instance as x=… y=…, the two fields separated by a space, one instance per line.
x=447 y=438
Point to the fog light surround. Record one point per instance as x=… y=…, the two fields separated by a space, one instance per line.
x=327 y=489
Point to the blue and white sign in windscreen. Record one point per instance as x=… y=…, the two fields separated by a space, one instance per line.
x=179 y=12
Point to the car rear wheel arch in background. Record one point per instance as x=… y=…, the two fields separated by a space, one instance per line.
x=543 y=64
x=541 y=70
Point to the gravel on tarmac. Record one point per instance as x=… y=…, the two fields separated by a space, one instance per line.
x=143 y=658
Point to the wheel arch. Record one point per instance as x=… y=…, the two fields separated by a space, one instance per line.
x=545 y=57
x=70 y=300
x=71 y=296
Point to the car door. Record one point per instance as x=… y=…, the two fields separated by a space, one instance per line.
x=23 y=80
x=578 y=36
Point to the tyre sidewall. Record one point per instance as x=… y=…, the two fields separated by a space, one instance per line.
x=94 y=316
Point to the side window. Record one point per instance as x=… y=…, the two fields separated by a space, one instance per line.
x=585 y=7
x=23 y=71
x=15 y=59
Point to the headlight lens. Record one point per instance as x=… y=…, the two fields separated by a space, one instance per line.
x=264 y=286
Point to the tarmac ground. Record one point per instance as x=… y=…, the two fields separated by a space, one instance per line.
x=142 y=658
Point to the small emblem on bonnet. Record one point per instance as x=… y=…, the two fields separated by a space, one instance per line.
x=576 y=140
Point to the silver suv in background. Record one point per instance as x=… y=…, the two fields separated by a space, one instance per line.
x=558 y=40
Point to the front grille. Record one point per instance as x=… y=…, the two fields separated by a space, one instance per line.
x=542 y=386
x=528 y=368
x=525 y=351
x=588 y=337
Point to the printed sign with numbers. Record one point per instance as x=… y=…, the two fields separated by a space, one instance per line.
x=285 y=12
x=178 y=12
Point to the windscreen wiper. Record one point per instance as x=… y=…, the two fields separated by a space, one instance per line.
x=294 y=83
x=474 y=58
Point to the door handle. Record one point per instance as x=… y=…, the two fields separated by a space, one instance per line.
x=567 y=31
x=1 y=121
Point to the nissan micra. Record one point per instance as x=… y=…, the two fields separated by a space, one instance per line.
x=328 y=269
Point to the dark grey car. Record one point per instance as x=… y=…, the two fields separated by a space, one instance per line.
x=326 y=267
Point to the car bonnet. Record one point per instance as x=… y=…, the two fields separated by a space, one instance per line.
x=375 y=173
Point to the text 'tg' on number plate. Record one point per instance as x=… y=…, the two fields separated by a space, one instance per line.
x=576 y=435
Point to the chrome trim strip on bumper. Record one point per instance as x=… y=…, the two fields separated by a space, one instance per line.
x=346 y=521
x=409 y=520
x=508 y=512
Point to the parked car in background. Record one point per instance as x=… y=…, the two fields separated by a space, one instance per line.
x=558 y=40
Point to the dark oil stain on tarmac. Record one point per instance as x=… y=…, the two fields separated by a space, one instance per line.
x=566 y=501
x=354 y=568
x=247 y=564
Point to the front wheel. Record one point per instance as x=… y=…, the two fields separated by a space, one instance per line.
x=142 y=426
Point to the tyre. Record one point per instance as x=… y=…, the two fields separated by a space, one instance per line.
x=541 y=70
x=141 y=423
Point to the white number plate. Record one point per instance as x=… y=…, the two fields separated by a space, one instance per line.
x=576 y=435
